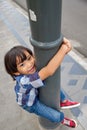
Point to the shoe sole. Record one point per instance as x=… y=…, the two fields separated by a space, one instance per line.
x=68 y=107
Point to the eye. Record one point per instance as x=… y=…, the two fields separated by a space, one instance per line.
x=21 y=65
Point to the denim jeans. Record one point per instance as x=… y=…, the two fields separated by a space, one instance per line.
x=62 y=96
x=49 y=113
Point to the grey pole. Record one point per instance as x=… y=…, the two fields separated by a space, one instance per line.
x=46 y=37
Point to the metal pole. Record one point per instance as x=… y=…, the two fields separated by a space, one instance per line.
x=46 y=37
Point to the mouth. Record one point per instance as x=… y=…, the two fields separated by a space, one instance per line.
x=32 y=69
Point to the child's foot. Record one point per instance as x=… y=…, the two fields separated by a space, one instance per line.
x=68 y=104
x=69 y=122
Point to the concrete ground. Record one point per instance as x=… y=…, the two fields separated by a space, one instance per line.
x=15 y=30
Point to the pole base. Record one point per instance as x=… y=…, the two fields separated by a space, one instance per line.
x=47 y=124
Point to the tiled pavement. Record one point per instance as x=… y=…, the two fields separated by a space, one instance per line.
x=14 y=30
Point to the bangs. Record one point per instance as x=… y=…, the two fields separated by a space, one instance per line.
x=20 y=57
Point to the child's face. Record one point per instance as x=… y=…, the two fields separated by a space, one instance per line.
x=27 y=66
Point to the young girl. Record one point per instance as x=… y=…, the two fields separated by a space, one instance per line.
x=20 y=64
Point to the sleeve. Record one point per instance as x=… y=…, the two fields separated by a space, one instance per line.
x=35 y=80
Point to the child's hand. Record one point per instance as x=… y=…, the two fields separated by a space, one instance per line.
x=66 y=45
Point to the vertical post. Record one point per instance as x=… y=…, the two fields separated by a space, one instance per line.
x=46 y=37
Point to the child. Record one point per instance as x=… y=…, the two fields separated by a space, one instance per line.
x=20 y=64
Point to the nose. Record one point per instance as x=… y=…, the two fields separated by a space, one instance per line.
x=29 y=63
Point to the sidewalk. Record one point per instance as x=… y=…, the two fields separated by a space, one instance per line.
x=15 y=30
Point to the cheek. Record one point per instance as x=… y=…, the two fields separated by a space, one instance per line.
x=33 y=61
x=21 y=69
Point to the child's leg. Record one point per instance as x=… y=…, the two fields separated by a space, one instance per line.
x=62 y=96
x=65 y=103
x=47 y=112
x=50 y=114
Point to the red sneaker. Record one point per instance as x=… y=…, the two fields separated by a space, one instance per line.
x=69 y=122
x=68 y=104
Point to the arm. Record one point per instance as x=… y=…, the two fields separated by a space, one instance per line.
x=55 y=62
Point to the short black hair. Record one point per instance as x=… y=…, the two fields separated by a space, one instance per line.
x=10 y=58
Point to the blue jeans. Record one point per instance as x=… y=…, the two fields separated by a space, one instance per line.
x=62 y=96
x=47 y=112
